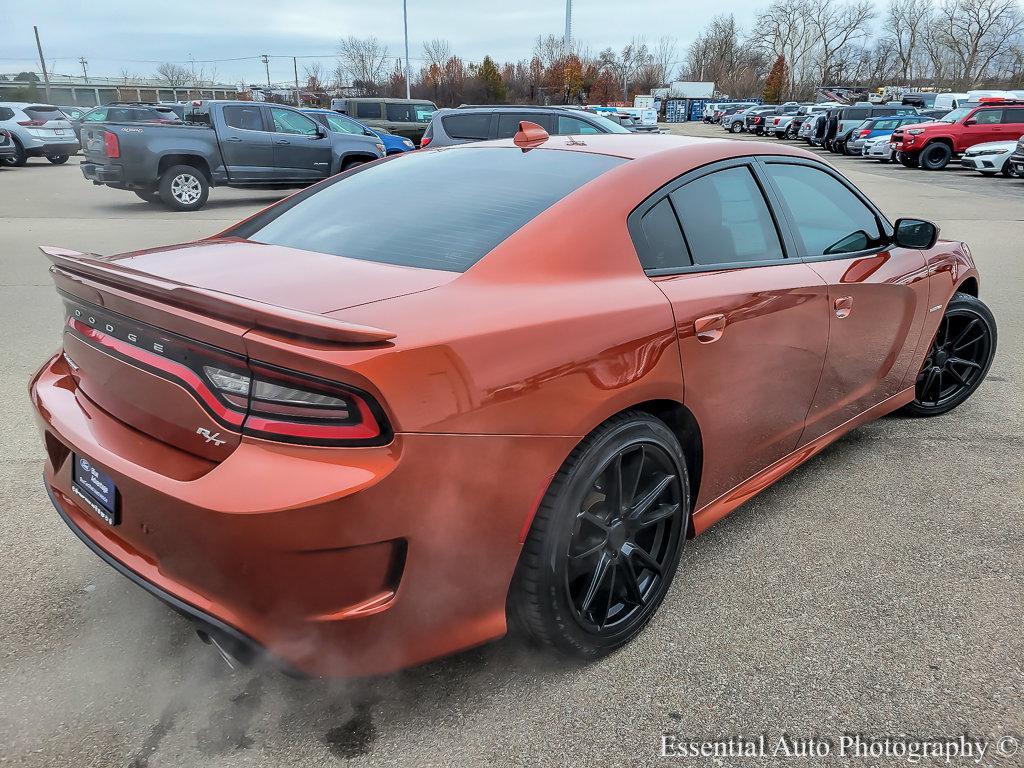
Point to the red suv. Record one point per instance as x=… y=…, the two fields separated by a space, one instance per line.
x=932 y=145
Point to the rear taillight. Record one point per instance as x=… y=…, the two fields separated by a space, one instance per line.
x=111 y=146
x=32 y=123
x=776 y=121
x=424 y=141
x=755 y=119
x=864 y=132
x=288 y=406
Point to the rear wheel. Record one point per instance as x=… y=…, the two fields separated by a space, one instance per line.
x=350 y=164
x=936 y=156
x=57 y=159
x=1008 y=171
x=184 y=188
x=149 y=195
x=959 y=358
x=605 y=542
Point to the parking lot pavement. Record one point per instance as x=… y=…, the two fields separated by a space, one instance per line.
x=875 y=590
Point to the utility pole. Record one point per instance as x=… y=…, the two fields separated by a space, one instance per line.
x=266 y=63
x=405 y=22
x=567 y=40
x=42 y=63
x=295 y=66
x=85 y=67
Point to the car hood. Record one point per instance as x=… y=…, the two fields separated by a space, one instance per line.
x=283 y=277
x=1001 y=146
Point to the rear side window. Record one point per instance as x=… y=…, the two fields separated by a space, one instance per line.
x=244 y=118
x=665 y=247
x=828 y=216
x=286 y=121
x=572 y=125
x=369 y=109
x=508 y=123
x=6 y=113
x=42 y=112
x=726 y=219
x=988 y=116
x=472 y=126
x=392 y=213
x=1013 y=115
x=855 y=114
x=410 y=113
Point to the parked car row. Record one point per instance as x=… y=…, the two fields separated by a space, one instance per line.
x=984 y=136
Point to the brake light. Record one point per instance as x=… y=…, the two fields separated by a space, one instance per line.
x=865 y=131
x=755 y=119
x=111 y=146
x=32 y=123
x=288 y=406
x=424 y=142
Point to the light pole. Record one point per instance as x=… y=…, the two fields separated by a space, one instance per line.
x=405 y=23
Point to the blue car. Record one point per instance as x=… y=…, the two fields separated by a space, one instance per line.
x=878 y=126
x=338 y=123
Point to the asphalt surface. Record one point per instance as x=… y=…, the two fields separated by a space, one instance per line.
x=876 y=590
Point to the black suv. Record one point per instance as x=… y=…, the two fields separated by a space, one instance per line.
x=476 y=123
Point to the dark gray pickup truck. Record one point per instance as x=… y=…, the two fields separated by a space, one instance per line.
x=220 y=143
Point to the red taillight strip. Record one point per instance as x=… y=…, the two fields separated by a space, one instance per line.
x=175 y=369
x=366 y=429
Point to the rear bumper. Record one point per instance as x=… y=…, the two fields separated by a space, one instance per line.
x=337 y=562
x=112 y=175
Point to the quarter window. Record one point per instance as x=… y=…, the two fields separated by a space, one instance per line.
x=508 y=123
x=1013 y=115
x=665 y=247
x=471 y=126
x=572 y=125
x=829 y=218
x=370 y=109
x=726 y=219
x=243 y=118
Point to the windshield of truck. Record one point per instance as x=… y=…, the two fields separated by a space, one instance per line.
x=956 y=115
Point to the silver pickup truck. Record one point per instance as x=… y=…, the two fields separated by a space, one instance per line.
x=220 y=143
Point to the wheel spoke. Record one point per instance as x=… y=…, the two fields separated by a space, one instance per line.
x=595 y=582
x=594 y=520
x=611 y=596
x=645 y=558
x=962 y=361
x=631 y=582
x=659 y=513
x=651 y=495
x=963 y=333
x=956 y=376
x=631 y=472
x=966 y=344
x=929 y=380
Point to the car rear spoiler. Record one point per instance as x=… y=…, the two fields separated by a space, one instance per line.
x=258 y=314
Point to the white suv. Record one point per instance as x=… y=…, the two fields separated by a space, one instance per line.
x=37 y=130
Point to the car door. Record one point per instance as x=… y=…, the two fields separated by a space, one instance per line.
x=302 y=151
x=983 y=126
x=752 y=323
x=877 y=293
x=245 y=143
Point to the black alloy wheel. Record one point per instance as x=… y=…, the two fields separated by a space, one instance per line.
x=959 y=358
x=57 y=159
x=935 y=156
x=605 y=543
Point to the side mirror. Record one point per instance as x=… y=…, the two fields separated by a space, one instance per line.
x=915 y=233
x=970 y=122
x=321 y=133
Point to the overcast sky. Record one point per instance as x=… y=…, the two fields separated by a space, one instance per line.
x=115 y=35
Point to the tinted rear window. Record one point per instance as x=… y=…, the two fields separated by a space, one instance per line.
x=392 y=213
x=44 y=113
x=855 y=114
x=471 y=126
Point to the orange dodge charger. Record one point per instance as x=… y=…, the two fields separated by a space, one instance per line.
x=378 y=420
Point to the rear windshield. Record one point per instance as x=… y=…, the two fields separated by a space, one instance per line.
x=436 y=210
x=40 y=112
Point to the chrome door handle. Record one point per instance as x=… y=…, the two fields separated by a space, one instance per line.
x=843 y=306
x=232 y=138
x=282 y=141
x=709 y=328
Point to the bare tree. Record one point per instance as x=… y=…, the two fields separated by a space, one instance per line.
x=436 y=52
x=664 y=58
x=834 y=26
x=784 y=28
x=906 y=22
x=976 y=33
x=174 y=75
x=628 y=63
x=364 y=62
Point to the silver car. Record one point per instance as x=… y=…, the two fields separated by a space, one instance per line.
x=37 y=130
x=877 y=148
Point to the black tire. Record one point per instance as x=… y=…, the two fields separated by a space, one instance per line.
x=350 y=164
x=736 y=128
x=935 y=156
x=791 y=133
x=149 y=195
x=57 y=159
x=960 y=355
x=908 y=160
x=1008 y=172
x=19 y=158
x=576 y=524
x=184 y=188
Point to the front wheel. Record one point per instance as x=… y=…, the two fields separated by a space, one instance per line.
x=959 y=358
x=19 y=158
x=908 y=159
x=149 y=195
x=57 y=159
x=736 y=128
x=184 y=188
x=605 y=542
x=936 y=156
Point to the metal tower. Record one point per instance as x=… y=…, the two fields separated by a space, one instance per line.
x=567 y=40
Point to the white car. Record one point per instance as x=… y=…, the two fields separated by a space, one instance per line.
x=877 y=148
x=991 y=158
x=37 y=130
